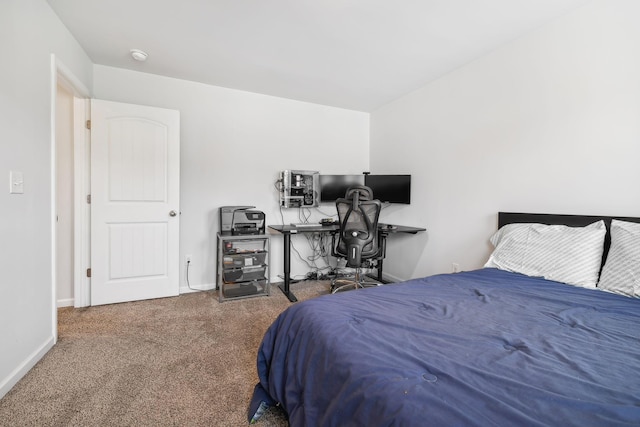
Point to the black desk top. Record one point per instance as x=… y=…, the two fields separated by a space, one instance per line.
x=394 y=228
x=319 y=228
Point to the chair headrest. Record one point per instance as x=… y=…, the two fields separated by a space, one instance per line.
x=364 y=192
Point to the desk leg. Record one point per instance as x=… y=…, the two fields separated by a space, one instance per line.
x=287 y=269
x=382 y=239
x=383 y=248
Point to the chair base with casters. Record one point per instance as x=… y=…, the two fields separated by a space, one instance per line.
x=358 y=281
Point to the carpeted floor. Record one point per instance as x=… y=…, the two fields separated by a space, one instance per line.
x=182 y=361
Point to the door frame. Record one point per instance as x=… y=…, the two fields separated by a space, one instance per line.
x=81 y=207
x=60 y=74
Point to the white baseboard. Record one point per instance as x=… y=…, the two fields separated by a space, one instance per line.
x=197 y=288
x=391 y=278
x=65 y=302
x=7 y=383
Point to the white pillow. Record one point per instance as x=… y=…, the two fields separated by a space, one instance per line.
x=565 y=254
x=621 y=271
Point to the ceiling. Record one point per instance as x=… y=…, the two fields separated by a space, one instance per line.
x=354 y=54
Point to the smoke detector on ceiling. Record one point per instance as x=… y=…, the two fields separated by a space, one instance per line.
x=139 y=55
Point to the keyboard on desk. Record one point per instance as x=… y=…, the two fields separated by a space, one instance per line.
x=306 y=225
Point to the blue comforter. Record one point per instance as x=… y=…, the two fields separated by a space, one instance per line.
x=485 y=347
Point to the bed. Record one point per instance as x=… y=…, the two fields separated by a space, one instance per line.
x=486 y=347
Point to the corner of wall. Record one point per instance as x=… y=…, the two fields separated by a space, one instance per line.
x=21 y=370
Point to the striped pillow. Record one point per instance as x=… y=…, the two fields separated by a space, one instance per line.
x=565 y=254
x=621 y=271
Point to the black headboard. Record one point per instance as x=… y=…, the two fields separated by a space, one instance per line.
x=505 y=218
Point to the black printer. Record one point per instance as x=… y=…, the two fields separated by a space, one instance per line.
x=240 y=220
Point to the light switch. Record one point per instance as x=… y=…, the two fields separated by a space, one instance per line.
x=16 y=182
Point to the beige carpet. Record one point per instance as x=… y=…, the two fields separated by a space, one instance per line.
x=182 y=361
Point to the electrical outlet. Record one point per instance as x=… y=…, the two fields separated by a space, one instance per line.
x=187 y=259
x=455 y=267
x=16 y=182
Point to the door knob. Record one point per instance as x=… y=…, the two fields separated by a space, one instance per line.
x=173 y=213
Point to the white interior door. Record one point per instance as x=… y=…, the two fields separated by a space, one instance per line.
x=135 y=162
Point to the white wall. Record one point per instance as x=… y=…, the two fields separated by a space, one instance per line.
x=549 y=123
x=29 y=33
x=233 y=145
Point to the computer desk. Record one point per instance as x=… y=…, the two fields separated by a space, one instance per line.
x=287 y=230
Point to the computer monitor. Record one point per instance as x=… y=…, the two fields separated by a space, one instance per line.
x=332 y=187
x=390 y=188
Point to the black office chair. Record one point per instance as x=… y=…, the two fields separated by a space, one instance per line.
x=357 y=240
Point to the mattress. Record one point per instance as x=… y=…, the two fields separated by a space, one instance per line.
x=486 y=347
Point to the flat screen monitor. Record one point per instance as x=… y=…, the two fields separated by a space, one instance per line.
x=390 y=188
x=333 y=187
